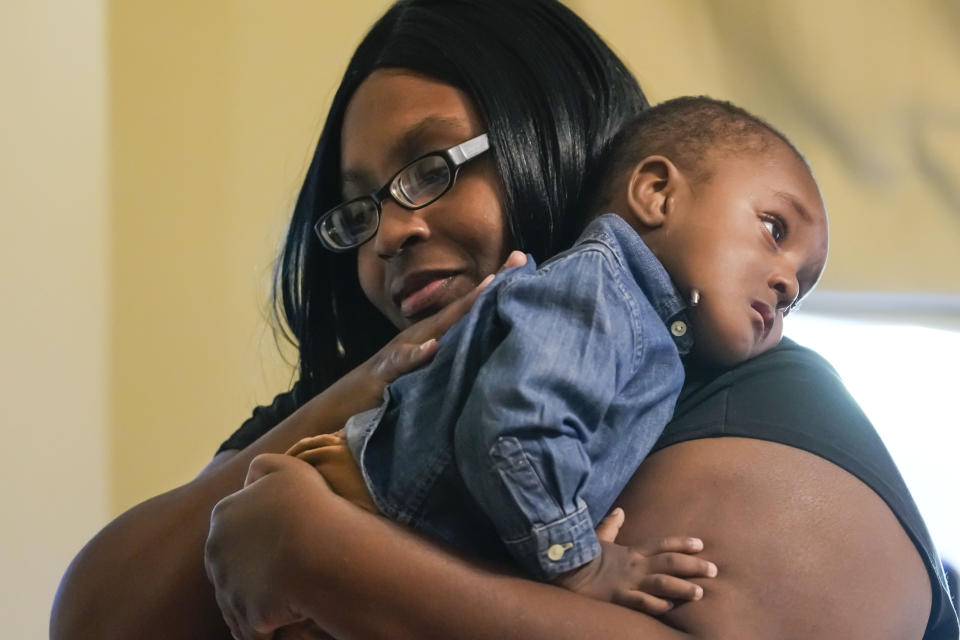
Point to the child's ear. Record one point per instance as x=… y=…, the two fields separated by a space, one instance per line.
x=651 y=190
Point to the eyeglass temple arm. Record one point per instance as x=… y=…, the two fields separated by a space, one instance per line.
x=469 y=149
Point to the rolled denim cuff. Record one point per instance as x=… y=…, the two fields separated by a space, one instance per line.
x=557 y=547
x=360 y=426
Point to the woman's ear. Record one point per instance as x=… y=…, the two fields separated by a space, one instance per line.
x=651 y=191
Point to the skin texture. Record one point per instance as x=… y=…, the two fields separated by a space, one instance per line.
x=738 y=237
x=420 y=260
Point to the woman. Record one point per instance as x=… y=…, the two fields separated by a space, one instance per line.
x=793 y=533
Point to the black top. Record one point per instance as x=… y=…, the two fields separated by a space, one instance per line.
x=788 y=395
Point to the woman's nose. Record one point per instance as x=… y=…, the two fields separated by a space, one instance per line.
x=399 y=229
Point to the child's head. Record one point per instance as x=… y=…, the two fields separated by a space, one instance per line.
x=732 y=211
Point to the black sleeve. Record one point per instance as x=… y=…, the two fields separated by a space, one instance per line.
x=265 y=418
x=792 y=396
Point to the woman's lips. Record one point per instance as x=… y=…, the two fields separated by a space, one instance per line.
x=424 y=295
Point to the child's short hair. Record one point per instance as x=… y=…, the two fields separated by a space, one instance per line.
x=684 y=130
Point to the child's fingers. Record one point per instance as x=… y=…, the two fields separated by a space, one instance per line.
x=644 y=602
x=680 y=564
x=670 y=587
x=677 y=544
x=317 y=456
x=312 y=442
x=609 y=527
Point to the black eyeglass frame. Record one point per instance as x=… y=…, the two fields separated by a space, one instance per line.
x=454 y=157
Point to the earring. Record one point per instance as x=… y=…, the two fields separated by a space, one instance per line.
x=694 y=297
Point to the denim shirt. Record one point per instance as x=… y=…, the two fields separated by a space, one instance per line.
x=537 y=408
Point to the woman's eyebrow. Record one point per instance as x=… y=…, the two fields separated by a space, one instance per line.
x=408 y=147
x=413 y=142
x=357 y=178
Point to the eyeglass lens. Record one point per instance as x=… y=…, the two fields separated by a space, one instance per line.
x=415 y=186
x=421 y=182
x=351 y=224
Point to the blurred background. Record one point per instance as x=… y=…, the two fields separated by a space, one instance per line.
x=150 y=153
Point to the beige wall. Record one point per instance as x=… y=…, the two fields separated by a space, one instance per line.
x=871 y=95
x=152 y=152
x=216 y=107
x=53 y=295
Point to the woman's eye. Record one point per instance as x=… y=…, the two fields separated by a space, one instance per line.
x=436 y=175
x=775 y=227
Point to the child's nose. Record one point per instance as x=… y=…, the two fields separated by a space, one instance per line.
x=787 y=286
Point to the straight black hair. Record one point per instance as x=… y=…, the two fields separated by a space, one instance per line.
x=552 y=95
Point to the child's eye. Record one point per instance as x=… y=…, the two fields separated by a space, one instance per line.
x=776 y=227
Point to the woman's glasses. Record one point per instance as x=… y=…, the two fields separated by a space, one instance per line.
x=420 y=183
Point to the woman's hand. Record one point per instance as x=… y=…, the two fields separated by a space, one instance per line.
x=415 y=346
x=260 y=535
x=256 y=535
x=410 y=349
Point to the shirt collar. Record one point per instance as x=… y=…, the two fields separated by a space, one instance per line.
x=649 y=273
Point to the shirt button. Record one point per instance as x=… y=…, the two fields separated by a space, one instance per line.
x=556 y=551
x=678 y=328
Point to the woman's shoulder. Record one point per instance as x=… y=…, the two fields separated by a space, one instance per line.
x=792 y=396
x=788 y=392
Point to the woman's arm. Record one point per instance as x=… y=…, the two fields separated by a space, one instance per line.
x=805 y=551
x=358 y=575
x=142 y=576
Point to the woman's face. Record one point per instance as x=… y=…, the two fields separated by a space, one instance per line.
x=420 y=261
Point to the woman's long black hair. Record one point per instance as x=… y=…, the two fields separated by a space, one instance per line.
x=552 y=95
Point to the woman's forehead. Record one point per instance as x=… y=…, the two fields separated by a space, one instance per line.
x=399 y=100
x=397 y=112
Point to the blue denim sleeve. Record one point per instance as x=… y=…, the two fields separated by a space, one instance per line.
x=570 y=341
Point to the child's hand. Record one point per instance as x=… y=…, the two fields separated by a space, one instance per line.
x=647 y=577
x=330 y=455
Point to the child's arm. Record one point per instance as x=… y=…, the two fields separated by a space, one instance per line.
x=572 y=398
x=648 y=577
